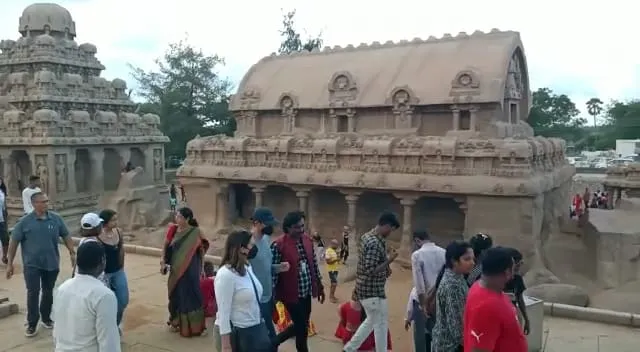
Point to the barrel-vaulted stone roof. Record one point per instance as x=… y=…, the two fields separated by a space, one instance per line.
x=428 y=68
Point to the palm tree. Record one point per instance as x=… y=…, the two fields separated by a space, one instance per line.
x=594 y=108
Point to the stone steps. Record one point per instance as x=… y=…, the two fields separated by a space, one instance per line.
x=7 y=308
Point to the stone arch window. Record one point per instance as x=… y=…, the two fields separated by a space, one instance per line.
x=288 y=105
x=466 y=79
x=516 y=94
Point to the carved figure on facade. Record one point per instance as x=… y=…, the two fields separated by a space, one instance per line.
x=466 y=83
x=61 y=173
x=42 y=171
x=343 y=90
x=157 y=165
x=289 y=109
x=402 y=99
x=514 y=79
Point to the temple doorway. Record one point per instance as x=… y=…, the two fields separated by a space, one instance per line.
x=19 y=170
x=138 y=159
x=83 y=171
x=369 y=207
x=280 y=200
x=441 y=217
x=328 y=212
x=111 y=168
x=241 y=202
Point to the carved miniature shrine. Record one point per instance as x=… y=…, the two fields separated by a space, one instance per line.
x=433 y=129
x=65 y=123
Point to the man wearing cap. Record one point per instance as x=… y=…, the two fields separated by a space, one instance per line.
x=84 y=309
x=91 y=227
x=37 y=234
x=263 y=223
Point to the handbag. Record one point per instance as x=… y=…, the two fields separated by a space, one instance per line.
x=254 y=338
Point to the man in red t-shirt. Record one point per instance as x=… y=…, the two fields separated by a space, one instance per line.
x=490 y=319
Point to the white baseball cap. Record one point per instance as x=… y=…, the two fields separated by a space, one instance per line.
x=90 y=221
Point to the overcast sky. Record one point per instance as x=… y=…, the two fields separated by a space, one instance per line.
x=572 y=47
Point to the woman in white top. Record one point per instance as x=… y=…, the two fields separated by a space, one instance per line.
x=237 y=289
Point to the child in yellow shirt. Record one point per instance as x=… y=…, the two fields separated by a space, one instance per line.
x=333 y=263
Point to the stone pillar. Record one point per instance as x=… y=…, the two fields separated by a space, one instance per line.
x=303 y=204
x=149 y=166
x=97 y=158
x=352 y=201
x=610 y=194
x=456 y=118
x=125 y=156
x=351 y=197
x=71 y=172
x=473 y=114
x=222 y=205
x=407 y=219
x=258 y=191
x=351 y=122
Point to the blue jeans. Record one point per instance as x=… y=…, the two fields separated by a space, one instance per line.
x=266 y=309
x=120 y=286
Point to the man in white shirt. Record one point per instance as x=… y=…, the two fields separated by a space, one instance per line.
x=426 y=262
x=84 y=309
x=33 y=188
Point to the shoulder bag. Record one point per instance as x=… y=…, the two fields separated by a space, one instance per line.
x=252 y=339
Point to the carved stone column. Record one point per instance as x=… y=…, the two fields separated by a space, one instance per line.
x=71 y=173
x=351 y=197
x=351 y=122
x=456 y=118
x=407 y=203
x=97 y=158
x=258 y=191
x=610 y=194
x=473 y=120
x=303 y=201
x=125 y=156
x=222 y=205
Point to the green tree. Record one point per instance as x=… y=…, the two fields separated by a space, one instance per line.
x=189 y=95
x=291 y=40
x=555 y=115
x=624 y=120
x=594 y=108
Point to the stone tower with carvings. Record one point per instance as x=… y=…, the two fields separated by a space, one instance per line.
x=65 y=123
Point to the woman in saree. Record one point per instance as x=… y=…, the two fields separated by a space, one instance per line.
x=183 y=260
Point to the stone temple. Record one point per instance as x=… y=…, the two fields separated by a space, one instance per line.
x=65 y=123
x=434 y=130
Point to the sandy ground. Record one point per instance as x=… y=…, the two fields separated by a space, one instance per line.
x=145 y=316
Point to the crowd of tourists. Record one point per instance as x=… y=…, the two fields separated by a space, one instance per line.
x=465 y=297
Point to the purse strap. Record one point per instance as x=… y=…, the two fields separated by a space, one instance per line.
x=253 y=283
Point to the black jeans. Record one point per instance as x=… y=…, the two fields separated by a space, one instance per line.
x=299 y=313
x=37 y=281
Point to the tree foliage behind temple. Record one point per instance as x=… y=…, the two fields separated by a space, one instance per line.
x=188 y=94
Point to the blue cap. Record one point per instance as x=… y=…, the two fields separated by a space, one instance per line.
x=264 y=216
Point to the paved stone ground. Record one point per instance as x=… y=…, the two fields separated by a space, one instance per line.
x=145 y=329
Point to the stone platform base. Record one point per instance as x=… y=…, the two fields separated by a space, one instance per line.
x=7 y=308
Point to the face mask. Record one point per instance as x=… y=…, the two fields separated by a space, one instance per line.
x=252 y=252
x=268 y=230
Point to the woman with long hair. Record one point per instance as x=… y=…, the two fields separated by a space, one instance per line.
x=4 y=230
x=479 y=243
x=111 y=239
x=451 y=296
x=184 y=255
x=239 y=320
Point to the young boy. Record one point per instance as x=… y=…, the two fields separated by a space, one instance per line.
x=333 y=264
x=515 y=289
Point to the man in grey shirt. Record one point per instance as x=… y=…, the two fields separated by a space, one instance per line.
x=37 y=234
x=426 y=263
x=263 y=269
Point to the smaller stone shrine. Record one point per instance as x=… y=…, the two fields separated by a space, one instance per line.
x=65 y=123
x=622 y=179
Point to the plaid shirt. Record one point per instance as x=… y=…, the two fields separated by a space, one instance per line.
x=373 y=252
x=304 y=275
